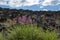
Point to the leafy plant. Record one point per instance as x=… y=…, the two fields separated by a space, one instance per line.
x=31 y=32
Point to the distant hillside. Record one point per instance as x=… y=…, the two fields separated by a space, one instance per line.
x=7 y=11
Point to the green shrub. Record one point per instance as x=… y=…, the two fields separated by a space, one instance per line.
x=1 y=36
x=31 y=32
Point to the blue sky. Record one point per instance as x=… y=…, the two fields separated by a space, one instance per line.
x=46 y=5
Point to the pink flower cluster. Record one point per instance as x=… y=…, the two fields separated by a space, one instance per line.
x=25 y=20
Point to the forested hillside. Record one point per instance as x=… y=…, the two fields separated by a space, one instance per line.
x=38 y=23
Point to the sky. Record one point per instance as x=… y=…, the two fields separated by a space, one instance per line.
x=45 y=5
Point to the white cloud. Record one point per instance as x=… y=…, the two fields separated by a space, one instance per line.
x=18 y=3
x=31 y=2
x=46 y=2
x=2 y=2
x=44 y=10
x=50 y=2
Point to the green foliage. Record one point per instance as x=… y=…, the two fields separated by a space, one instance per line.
x=1 y=36
x=31 y=32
